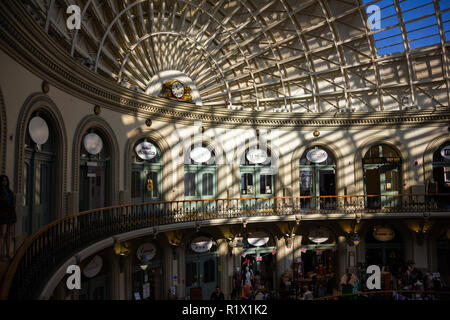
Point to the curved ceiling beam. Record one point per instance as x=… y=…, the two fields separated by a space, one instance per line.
x=176 y=34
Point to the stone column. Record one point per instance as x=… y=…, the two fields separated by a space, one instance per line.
x=342 y=257
x=223 y=280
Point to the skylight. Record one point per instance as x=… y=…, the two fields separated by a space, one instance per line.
x=420 y=23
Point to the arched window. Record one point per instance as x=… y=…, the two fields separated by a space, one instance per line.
x=257 y=177
x=440 y=182
x=318 y=178
x=382 y=171
x=146 y=172
x=200 y=173
x=95 y=170
x=39 y=171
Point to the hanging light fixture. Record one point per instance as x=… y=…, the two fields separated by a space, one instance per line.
x=355 y=239
x=122 y=248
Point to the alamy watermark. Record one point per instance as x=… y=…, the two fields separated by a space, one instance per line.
x=74 y=20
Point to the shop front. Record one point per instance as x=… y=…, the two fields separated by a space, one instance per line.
x=96 y=278
x=201 y=268
x=317 y=179
x=257 y=179
x=258 y=262
x=382 y=171
x=440 y=183
x=147 y=273
x=385 y=248
x=95 y=171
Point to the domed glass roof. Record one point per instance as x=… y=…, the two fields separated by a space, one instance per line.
x=273 y=55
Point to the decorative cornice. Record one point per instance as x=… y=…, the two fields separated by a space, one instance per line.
x=30 y=46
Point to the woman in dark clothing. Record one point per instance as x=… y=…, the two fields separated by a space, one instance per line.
x=7 y=214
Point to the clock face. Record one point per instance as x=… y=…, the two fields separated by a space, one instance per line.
x=177 y=89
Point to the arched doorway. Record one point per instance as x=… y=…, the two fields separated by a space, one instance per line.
x=318 y=261
x=201 y=266
x=146 y=172
x=385 y=248
x=382 y=171
x=39 y=171
x=200 y=177
x=318 y=178
x=441 y=176
x=96 y=277
x=147 y=271
x=95 y=170
x=258 y=260
x=257 y=178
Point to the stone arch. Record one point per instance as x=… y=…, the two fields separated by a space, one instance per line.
x=428 y=155
x=88 y=122
x=167 y=167
x=3 y=134
x=275 y=154
x=406 y=178
x=329 y=146
x=40 y=101
x=222 y=168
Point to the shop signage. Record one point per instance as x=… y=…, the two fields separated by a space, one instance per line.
x=145 y=150
x=38 y=130
x=93 y=267
x=201 y=244
x=200 y=154
x=146 y=252
x=146 y=290
x=319 y=235
x=258 y=239
x=93 y=143
x=383 y=233
x=445 y=152
x=317 y=155
x=256 y=156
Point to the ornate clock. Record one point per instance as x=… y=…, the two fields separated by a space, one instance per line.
x=177 y=89
x=174 y=89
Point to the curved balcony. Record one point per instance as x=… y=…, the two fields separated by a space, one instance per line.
x=43 y=252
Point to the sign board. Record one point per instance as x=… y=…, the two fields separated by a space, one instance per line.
x=146 y=252
x=445 y=152
x=200 y=154
x=258 y=239
x=201 y=244
x=256 y=156
x=93 y=267
x=383 y=233
x=317 y=155
x=145 y=150
x=319 y=235
x=146 y=290
x=91 y=164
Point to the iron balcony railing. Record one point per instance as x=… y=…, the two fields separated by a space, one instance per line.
x=43 y=252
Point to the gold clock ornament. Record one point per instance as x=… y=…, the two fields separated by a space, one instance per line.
x=175 y=89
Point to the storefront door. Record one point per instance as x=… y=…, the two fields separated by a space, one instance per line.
x=93 y=185
x=201 y=275
x=38 y=184
x=257 y=182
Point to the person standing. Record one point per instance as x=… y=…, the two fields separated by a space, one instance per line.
x=7 y=215
x=217 y=295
